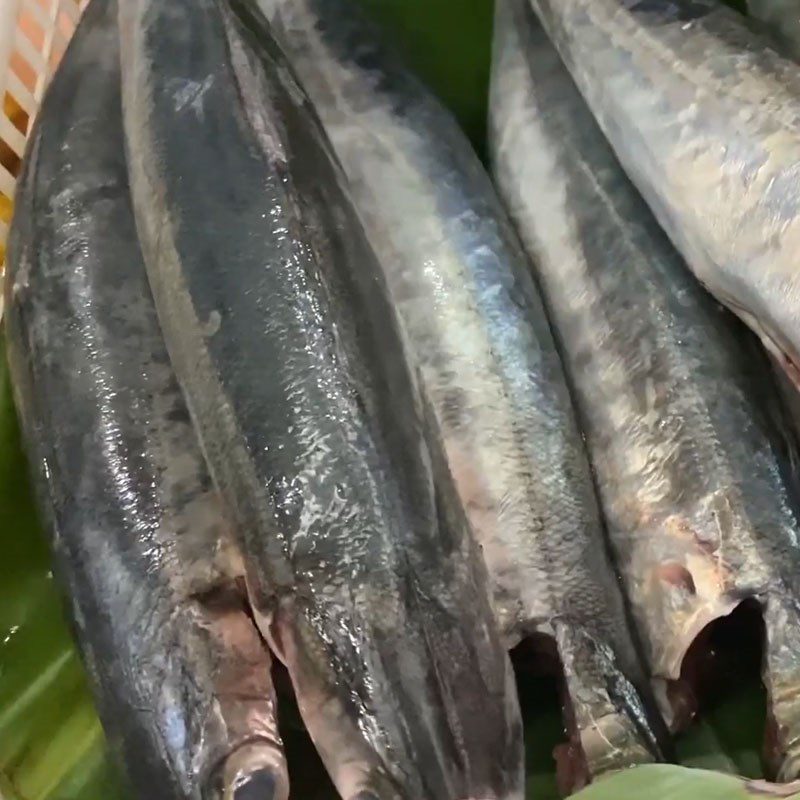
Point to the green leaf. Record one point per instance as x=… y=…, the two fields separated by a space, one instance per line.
x=663 y=782
x=51 y=743
x=449 y=45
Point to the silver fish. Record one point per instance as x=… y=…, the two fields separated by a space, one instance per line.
x=361 y=571
x=675 y=395
x=703 y=116
x=179 y=671
x=480 y=338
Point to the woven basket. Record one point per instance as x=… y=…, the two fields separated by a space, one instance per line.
x=33 y=37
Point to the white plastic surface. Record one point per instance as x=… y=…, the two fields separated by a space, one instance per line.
x=33 y=36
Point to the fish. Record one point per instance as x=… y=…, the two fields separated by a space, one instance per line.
x=693 y=454
x=700 y=109
x=142 y=544
x=781 y=19
x=479 y=336
x=361 y=570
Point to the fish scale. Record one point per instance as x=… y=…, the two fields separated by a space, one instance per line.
x=480 y=340
x=691 y=453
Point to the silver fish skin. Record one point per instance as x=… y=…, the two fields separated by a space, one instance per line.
x=677 y=401
x=702 y=113
x=782 y=19
x=361 y=570
x=142 y=549
x=480 y=338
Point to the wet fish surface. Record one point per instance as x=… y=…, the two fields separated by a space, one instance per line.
x=697 y=480
x=179 y=671
x=361 y=570
x=702 y=113
x=479 y=336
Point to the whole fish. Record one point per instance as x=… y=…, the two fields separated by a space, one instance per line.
x=361 y=570
x=179 y=671
x=675 y=395
x=703 y=115
x=479 y=335
x=782 y=20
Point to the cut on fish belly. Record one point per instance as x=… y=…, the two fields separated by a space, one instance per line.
x=179 y=671
x=478 y=335
x=360 y=567
x=692 y=452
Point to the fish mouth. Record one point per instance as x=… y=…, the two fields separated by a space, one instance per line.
x=257 y=786
x=672 y=666
x=757 y=642
x=253 y=771
x=705 y=655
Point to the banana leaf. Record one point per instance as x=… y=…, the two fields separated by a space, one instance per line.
x=51 y=743
x=661 y=782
